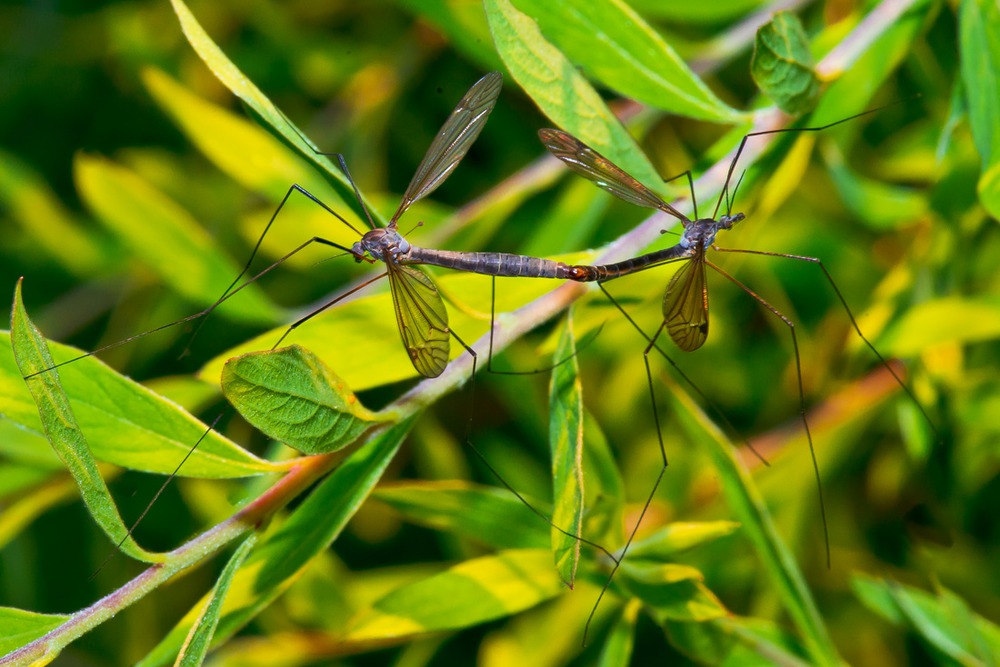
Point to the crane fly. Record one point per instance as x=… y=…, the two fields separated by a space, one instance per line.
x=685 y=300
x=420 y=312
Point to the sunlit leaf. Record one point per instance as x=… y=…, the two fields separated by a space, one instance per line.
x=124 y=422
x=359 y=340
x=470 y=593
x=613 y=44
x=166 y=238
x=251 y=156
x=28 y=200
x=695 y=12
x=672 y=592
x=679 y=536
x=560 y=91
x=241 y=86
x=934 y=323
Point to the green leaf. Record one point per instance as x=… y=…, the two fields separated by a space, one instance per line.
x=244 y=88
x=62 y=430
x=933 y=323
x=19 y=627
x=618 y=646
x=489 y=515
x=286 y=549
x=317 y=522
x=782 y=65
x=291 y=396
x=613 y=44
x=712 y=13
x=745 y=502
x=679 y=536
x=672 y=592
x=560 y=91
x=470 y=593
x=735 y=640
x=200 y=638
x=566 y=447
x=943 y=621
x=979 y=35
x=166 y=238
x=606 y=500
x=125 y=423
x=880 y=205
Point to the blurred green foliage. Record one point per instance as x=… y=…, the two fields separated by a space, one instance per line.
x=133 y=185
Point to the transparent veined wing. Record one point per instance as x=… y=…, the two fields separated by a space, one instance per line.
x=453 y=141
x=685 y=305
x=421 y=317
x=593 y=166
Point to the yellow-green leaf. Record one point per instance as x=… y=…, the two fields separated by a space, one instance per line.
x=566 y=447
x=470 y=593
x=166 y=238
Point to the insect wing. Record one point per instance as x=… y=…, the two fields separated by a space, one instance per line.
x=453 y=141
x=685 y=305
x=421 y=317
x=593 y=166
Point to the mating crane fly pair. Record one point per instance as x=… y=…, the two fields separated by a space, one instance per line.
x=420 y=312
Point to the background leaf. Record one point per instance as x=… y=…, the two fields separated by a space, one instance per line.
x=782 y=65
x=979 y=32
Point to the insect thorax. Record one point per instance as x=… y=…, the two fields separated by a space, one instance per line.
x=702 y=232
x=382 y=244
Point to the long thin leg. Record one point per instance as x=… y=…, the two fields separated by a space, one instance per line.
x=656 y=484
x=202 y=313
x=489 y=358
x=802 y=397
x=681 y=374
x=429 y=313
x=743 y=143
x=850 y=316
x=694 y=200
x=302 y=320
x=253 y=254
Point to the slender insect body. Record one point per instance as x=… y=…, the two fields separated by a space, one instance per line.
x=490 y=263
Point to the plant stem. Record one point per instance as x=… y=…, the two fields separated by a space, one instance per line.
x=299 y=478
